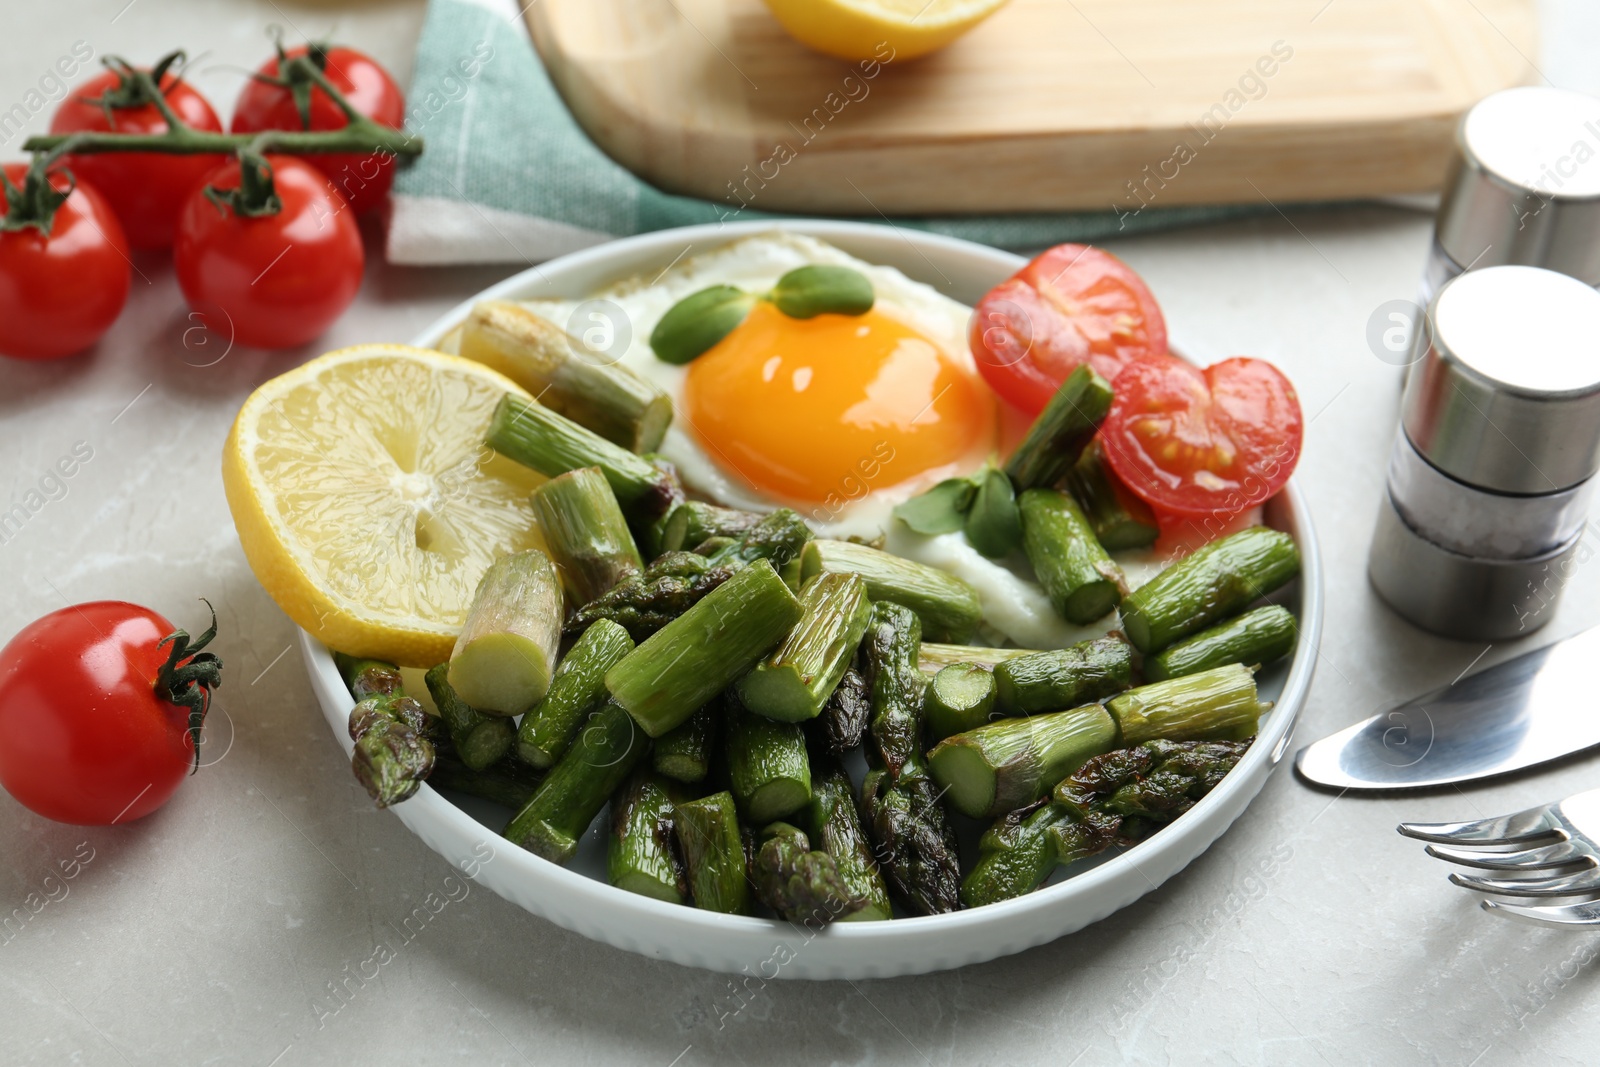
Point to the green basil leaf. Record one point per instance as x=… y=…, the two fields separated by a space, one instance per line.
x=698 y=321
x=940 y=510
x=806 y=292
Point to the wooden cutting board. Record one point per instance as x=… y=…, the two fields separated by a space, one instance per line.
x=1050 y=104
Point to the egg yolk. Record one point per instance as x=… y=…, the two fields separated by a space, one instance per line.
x=828 y=407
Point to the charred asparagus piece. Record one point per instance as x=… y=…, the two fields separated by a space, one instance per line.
x=392 y=754
x=1115 y=797
x=1065 y=425
x=1119 y=518
x=802 y=886
x=1064 y=678
x=642 y=853
x=1255 y=638
x=537 y=437
x=1207 y=586
x=912 y=841
x=713 y=853
x=712 y=546
x=1082 y=581
x=1012 y=763
x=576 y=690
x=693 y=522
x=587 y=536
x=844 y=717
x=835 y=828
x=947 y=606
x=794 y=682
x=544 y=359
x=889 y=659
x=509 y=783
x=554 y=819
x=698 y=654
x=502 y=660
x=778 y=537
x=684 y=752
x=479 y=740
x=397 y=708
x=368 y=677
x=1215 y=705
x=676 y=581
x=768 y=771
x=1015 y=855
x=391 y=760
x=644 y=603
x=1155 y=781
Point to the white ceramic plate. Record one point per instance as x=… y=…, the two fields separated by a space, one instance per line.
x=465 y=831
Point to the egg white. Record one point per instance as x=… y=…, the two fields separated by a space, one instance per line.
x=1015 y=608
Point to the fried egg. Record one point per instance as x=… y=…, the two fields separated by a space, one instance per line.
x=838 y=417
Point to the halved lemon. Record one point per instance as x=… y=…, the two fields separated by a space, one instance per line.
x=367 y=502
x=884 y=30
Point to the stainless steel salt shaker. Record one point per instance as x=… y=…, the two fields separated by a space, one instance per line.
x=1523 y=188
x=1485 y=514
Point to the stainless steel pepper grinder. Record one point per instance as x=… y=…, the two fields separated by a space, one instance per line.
x=1485 y=514
x=1523 y=188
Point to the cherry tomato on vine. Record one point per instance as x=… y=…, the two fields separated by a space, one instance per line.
x=1073 y=304
x=60 y=291
x=278 y=280
x=100 y=705
x=363 y=180
x=1203 y=442
x=146 y=189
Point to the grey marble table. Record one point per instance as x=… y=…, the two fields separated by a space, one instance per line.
x=233 y=926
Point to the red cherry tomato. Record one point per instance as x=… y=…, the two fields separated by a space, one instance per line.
x=362 y=180
x=146 y=189
x=59 y=293
x=87 y=734
x=1071 y=305
x=274 y=281
x=1203 y=442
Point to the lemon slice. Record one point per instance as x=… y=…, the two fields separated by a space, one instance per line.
x=885 y=30
x=366 y=501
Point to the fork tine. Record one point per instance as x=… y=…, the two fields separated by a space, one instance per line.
x=1561 y=854
x=1529 y=825
x=1585 y=914
x=1557 y=886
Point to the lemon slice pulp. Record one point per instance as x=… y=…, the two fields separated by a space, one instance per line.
x=885 y=30
x=366 y=501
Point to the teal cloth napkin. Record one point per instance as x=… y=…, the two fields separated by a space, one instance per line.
x=509 y=176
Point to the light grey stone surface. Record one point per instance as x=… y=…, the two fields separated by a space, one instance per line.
x=227 y=928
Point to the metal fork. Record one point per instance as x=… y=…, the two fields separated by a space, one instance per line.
x=1549 y=852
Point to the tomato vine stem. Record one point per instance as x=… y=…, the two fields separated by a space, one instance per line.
x=361 y=135
x=34 y=205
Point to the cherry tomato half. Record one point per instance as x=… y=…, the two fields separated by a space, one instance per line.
x=1203 y=442
x=59 y=293
x=146 y=189
x=278 y=280
x=86 y=736
x=362 y=180
x=1071 y=305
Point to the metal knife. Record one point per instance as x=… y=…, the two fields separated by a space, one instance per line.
x=1526 y=711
